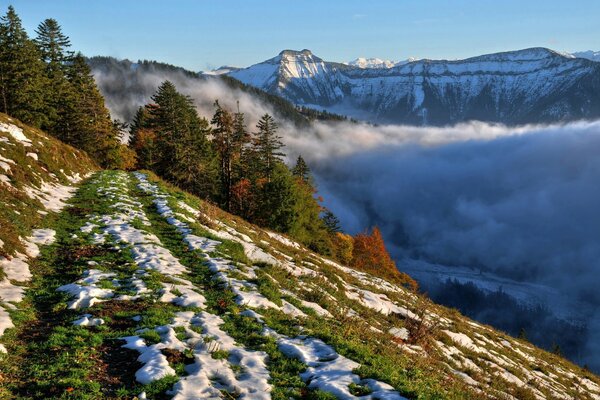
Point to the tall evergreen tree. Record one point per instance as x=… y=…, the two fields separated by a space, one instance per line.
x=22 y=79
x=267 y=145
x=223 y=143
x=301 y=170
x=241 y=139
x=332 y=223
x=53 y=44
x=86 y=122
x=185 y=156
x=60 y=97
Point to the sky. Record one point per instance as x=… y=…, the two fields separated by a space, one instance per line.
x=201 y=35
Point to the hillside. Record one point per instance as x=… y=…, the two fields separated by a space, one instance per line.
x=37 y=174
x=127 y=85
x=527 y=86
x=139 y=289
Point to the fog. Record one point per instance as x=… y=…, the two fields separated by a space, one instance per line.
x=521 y=202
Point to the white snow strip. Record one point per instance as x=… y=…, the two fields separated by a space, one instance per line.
x=87 y=320
x=155 y=363
x=86 y=291
x=16 y=269
x=207 y=375
x=16 y=133
x=331 y=372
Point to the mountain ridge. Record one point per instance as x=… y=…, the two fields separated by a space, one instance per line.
x=535 y=85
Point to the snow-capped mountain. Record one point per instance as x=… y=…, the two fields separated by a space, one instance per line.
x=362 y=62
x=525 y=86
x=590 y=55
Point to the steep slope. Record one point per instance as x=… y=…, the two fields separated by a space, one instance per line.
x=37 y=174
x=149 y=291
x=528 y=86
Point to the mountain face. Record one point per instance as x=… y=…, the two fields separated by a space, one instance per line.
x=528 y=86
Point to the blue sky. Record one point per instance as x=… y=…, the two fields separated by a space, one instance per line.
x=203 y=34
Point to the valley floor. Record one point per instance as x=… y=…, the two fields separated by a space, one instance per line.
x=142 y=291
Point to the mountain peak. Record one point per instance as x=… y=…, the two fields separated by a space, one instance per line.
x=296 y=53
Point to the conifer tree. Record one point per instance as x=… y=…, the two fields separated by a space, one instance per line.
x=332 y=223
x=241 y=139
x=223 y=142
x=22 y=79
x=60 y=97
x=301 y=170
x=86 y=122
x=53 y=44
x=266 y=146
x=142 y=138
x=185 y=157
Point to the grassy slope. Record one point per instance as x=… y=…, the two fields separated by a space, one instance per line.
x=56 y=163
x=49 y=357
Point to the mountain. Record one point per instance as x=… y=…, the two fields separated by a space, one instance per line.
x=590 y=55
x=123 y=286
x=535 y=85
x=362 y=62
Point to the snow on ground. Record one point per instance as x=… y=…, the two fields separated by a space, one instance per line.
x=53 y=196
x=88 y=320
x=377 y=301
x=87 y=291
x=16 y=133
x=331 y=372
x=155 y=363
x=207 y=375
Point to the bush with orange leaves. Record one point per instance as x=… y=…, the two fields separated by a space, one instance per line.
x=370 y=255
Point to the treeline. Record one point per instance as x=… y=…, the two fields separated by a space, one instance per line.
x=45 y=84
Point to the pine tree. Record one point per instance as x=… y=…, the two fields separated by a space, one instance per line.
x=223 y=142
x=142 y=138
x=22 y=79
x=266 y=146
x=60 y=97
x=85 y=121
x=185 y=157
x=332 y=223
x=301 y=170
x=241 y=139
x=53 y=44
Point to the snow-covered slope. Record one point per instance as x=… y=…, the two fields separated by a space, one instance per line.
x=532 y=85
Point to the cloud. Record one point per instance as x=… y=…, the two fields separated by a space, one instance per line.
x=521 y=202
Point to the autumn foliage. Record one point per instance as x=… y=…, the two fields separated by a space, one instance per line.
x=370 y=255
